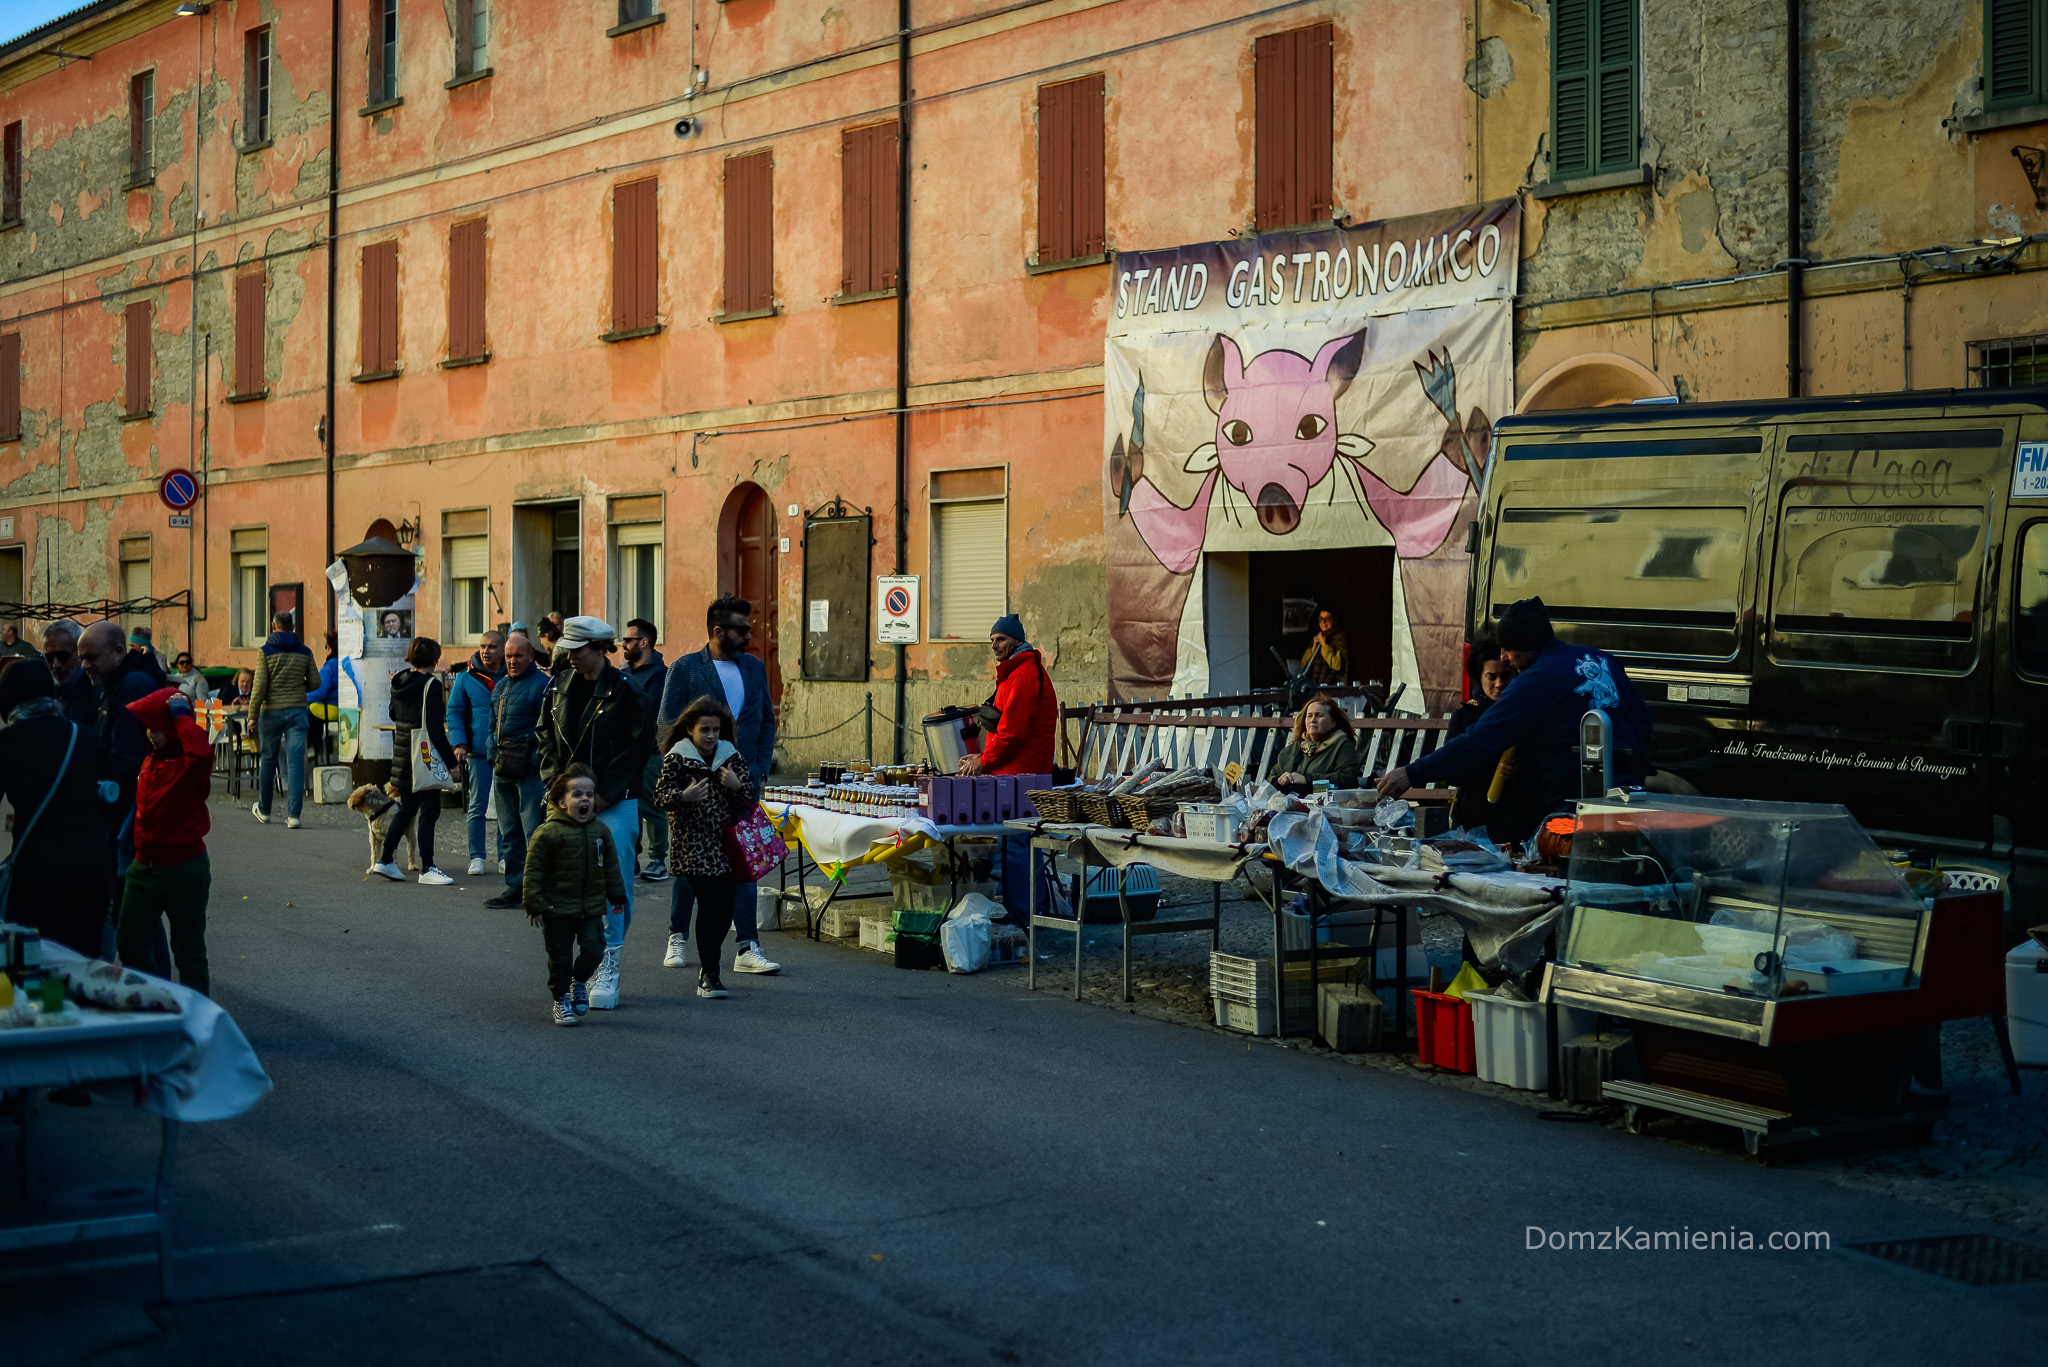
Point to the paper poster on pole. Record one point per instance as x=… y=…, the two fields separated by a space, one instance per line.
x=896 y=622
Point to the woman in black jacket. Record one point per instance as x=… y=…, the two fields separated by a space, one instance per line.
x=1515 y=815
x=418 y=700
x=63 y=875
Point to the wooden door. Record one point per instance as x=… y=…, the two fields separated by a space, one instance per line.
x=754 y=551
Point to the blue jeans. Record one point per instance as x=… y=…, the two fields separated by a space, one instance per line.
x=622 y=819
x=521 y=804
x=285 y=728
x=479 y=776
x=746 y=910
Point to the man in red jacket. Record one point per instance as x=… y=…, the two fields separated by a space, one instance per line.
x=1022 y=740
x=170 y=876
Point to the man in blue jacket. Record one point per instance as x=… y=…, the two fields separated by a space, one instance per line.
x=724 y=669
x=1538 y=713
x=648 y=672
x=469 y=732
x=512 y=745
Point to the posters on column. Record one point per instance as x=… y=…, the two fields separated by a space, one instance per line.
x=1303 y=391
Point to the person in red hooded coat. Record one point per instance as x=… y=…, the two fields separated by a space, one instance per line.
x=170 y=876
x=1021 y=741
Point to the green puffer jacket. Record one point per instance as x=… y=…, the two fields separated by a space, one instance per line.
x=571 y=869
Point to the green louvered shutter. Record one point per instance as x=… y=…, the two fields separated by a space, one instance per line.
x=1615 y=116
x=1571 y=78
x=2012 y=59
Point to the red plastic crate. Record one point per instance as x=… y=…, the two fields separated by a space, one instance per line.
x=1443 y=1031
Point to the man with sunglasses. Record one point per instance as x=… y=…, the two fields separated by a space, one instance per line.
x=724 y=669
x=74 y=689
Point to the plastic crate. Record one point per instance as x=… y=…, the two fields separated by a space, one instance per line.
x=1511 y=1042
x=1443 y=1031
x=877 y=934
x=839 y=923
x=1251 y=1018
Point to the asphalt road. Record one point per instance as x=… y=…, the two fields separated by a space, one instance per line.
x=852 y=1164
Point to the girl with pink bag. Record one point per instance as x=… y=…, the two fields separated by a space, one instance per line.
x=715 y=825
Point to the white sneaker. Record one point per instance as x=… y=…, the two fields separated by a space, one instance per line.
x=434 y=878
x=256 y=810
x=391 y=871
x=476 y=866
x=752 y=960
x=676 y=945
x=604 y=984
x=291 y=823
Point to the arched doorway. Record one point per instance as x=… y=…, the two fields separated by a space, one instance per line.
x=1592 y=381
x=747 y=545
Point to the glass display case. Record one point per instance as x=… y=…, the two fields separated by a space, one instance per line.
x=1747 y=901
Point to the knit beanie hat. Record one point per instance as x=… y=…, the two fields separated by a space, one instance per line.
x=1010 y=625
x=1525 y=625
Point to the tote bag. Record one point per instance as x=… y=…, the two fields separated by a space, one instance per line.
x=429 y=775
x=752 y=847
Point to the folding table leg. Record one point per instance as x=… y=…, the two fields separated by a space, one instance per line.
x=1031 y=919
x=1123 y=907
x=163 y=1207
x=1080 y=920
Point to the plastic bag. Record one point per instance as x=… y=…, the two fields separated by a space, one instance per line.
x=1742 y=933
x=968 y=935
x=1394 y=814
x=1466 y=983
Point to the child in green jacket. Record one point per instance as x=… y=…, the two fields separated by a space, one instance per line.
x=572 y=879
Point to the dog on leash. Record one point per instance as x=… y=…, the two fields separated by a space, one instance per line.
x=379 y=807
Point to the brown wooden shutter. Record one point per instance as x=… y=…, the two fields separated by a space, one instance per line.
x=1291 y=146
x=135 y=390
x=249 y=333
x=867 y=175
x=635 y=297
x=1070 y=195
x=466 y=290
x=10 y=173
x=134 y=127
x=10 y=386
x=750 y=233
x=380 y=308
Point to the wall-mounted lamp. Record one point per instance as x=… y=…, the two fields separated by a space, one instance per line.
x=2032 y=160
x=193 y=8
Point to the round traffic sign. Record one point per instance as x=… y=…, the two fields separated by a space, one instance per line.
x=178 y=490
x=897 y=601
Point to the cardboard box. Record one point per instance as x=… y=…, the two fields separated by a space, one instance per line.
x=1006 y=796
x=984 y=800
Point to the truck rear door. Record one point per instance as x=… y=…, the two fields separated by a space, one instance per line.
x=2017 y=735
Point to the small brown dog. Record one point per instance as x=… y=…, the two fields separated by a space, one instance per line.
x=379 y=807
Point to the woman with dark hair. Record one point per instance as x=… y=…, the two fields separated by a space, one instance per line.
x=63 y=853
x=704 y=787
x=1324 y=747
x=1488 y=672
x=418 y=701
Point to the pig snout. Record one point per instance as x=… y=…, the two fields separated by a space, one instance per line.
x=1278 y=512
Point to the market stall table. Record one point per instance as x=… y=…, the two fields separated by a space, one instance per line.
x=189 y=1067
x=831 y=842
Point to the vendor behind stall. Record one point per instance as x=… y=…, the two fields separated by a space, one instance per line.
x=1019 y=739
x=1538 y=713
x=1324 y=748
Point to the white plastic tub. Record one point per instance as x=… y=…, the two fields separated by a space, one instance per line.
x=1511 y=1042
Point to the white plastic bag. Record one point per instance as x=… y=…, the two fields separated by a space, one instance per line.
x=967 y=935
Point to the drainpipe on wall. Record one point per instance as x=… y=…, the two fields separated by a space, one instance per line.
x=333 y=271
x=902 y=347
x=1795 y=235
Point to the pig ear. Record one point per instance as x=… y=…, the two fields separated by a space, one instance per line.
x=1338 y=362
x=1222 y=372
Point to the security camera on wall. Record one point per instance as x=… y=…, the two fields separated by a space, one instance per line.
x=689 y=128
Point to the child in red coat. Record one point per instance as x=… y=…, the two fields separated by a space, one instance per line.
x=170 y=876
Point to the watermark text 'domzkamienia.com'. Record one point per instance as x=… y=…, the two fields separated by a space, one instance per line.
x=1629 y=1239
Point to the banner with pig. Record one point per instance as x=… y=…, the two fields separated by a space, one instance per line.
x=1302 y=392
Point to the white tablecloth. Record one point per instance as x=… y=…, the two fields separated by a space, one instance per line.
x=199 y=1065
x=850 y=838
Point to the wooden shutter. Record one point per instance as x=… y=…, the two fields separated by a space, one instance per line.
x=10 y=386
x=1571 y=81
x=1070 y=199
x=380 y=308
x=634 y=223
x=135 y=390
x=867 y=185
x=1593 y=87
x=750 y=232
x=2012 y=67
x=466 y=290
x=1291 y=144
x=1617 y=85
x=10 y=173
x=249 y=291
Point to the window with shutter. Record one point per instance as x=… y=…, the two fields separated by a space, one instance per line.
x=970 y=551
x=248 y=590
x=141 y=126
x=867 y=209
x=750 y=234
x=1070 y=156
x=10 y=386
x=249 y=292
x=383 y=51
x=136 y=344
x=2015 y=34
x=256 y=87
x=380 y=311
x=1593 y=88
x=472 y=37
x=135 y=578
x=635 y=298
x=466 y=292
x=1292 y=153
x=10 y=173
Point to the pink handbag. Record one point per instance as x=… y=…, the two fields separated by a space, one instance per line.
x=752 y=846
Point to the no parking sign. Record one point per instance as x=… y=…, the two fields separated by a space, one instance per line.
x=896 y=623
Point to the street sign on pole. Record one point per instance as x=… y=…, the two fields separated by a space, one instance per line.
x=181 y=519
x=178 y=490
x=896 y=623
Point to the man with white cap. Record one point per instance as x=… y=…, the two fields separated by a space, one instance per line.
x=594 y=715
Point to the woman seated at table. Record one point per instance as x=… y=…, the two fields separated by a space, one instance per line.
x=1323 y=748
x=236 y=693
x=186 y=678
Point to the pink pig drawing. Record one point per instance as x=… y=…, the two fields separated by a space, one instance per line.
x=1276 y=442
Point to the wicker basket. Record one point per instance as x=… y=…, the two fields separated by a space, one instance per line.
x=1056 y=804
x=1102 y=810
x=1140 y=811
